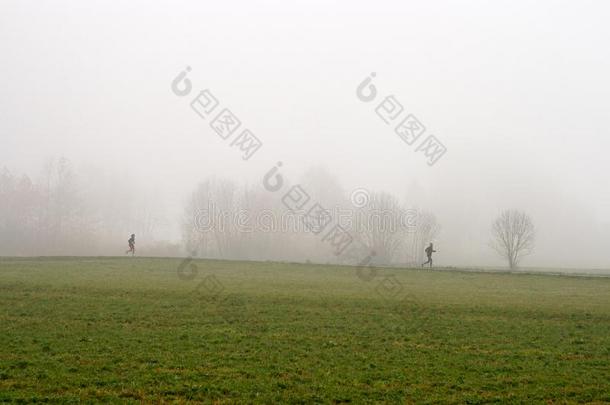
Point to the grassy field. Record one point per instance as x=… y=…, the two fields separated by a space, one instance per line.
x=132 y=330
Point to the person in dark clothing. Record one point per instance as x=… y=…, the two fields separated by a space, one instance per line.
x=132 y=245
x=429 y=250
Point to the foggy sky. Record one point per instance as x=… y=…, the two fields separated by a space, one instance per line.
x=517 y=91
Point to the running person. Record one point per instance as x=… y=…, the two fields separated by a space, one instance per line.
x=132 y=245
x=429 y=250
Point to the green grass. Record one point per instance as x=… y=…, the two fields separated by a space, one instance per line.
x=121 y=330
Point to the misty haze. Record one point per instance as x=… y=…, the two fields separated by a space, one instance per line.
x=305 y=202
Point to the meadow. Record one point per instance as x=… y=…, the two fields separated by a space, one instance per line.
x=163 y=330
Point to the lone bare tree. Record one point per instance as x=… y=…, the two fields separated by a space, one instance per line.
x=513 y=236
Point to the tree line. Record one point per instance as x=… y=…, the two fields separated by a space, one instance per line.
x=225 y=220
x=62 y=212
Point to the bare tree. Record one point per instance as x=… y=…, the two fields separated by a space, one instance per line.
x=513 y=236
x=211 y=225
x=381 y=226
x=199 y=222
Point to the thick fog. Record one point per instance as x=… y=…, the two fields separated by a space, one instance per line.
x=101 y=137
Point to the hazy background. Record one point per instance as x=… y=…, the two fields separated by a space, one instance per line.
x=517 y=91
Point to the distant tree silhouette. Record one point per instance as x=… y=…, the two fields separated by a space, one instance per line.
x=513 y=236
